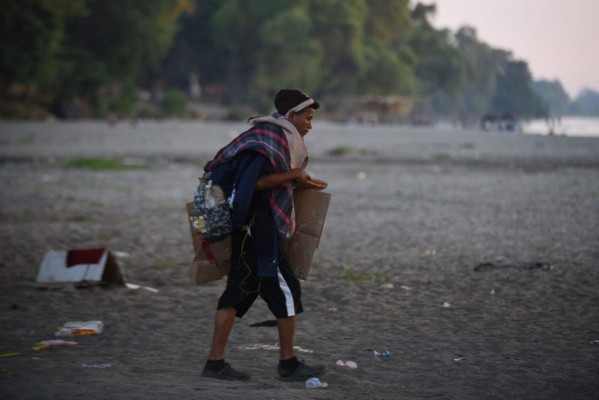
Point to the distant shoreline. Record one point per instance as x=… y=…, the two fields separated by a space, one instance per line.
x=567 y=125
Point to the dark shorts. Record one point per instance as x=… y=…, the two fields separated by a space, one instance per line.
x=282 y=293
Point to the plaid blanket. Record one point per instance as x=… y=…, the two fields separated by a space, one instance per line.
x=269 y=140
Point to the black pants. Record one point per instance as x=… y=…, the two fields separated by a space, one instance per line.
x=282 y=293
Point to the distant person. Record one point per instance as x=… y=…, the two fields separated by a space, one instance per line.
x=260 y=169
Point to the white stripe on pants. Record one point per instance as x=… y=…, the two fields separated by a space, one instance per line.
x=287 y=293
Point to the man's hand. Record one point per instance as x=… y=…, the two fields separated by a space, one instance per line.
x=317 y=184
x=301 y=177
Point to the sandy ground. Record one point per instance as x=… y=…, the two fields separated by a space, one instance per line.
x=413 y=211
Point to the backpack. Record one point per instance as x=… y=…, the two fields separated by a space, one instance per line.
x=211 y=212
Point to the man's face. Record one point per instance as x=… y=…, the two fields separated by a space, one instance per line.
x=303 y=121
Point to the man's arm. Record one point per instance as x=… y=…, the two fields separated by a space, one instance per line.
x=278 y=178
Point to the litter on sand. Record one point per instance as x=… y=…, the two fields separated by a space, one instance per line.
x=385 y=355
x=80 y=328
x=59 y=343
x=272 y=347
x=44 y=344
x=347 y=364
x=361 y=176
x=136 y=286
x=315 y=383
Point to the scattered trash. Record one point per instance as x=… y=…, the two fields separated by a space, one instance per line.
x=9 y=354
x=40 y=346
x=521 y=266
x=387 y=285
x=332 y=309
x=272 y=347
x=75 y=229
x=430 y=252
x=492 y=291
x=385 y=355
x=6 y=371
x=446 y=305
x=99 y=366
x=121 y=254
x=80 y=328
x=136 y=286
x=459 y=358
x=361 y=176
x=59 y=343
x=347 y=364
x=44 y=344
x=267 y=323
x=406 y=288
x=594 y=341
x=315 y=383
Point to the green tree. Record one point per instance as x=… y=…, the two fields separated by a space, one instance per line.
x=293 y=57
x=338 y=27
x=587 y=103
x=32 y=33
x=485 y=63
x=514 y=92
x=554 y=95
x=442 y=69
x=236 y=31
x=114 y=42
x=388 y=22
x=195 y=50
x=389 y=62
x=388 y=72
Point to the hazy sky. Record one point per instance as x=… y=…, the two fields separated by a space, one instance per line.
x=558 y=38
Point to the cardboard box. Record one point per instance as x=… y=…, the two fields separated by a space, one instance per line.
x=80 y=265
x=311 y=208
x=213 y=261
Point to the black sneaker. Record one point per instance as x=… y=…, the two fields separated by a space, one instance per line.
x=302 y=372
x=227 y=372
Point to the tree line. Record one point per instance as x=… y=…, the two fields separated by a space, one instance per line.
x=559 y=102
x=93 y=57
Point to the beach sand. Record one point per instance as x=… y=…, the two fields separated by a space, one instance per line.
x=413 y=212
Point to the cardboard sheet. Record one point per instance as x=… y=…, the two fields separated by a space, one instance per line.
x=311 y=208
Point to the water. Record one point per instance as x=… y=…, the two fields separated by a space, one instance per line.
x=569 y=126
